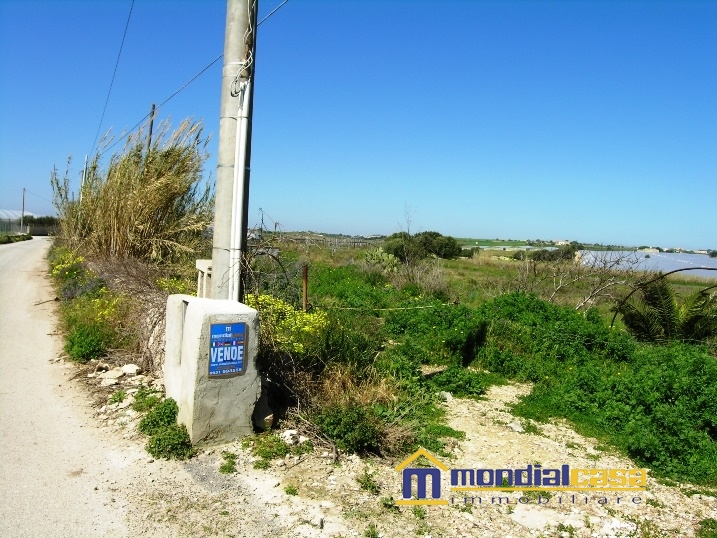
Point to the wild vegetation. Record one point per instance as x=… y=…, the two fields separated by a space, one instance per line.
x=127 y=233
x=148 y=204
x=6 y=239
x=369 y=378
x=390 y=330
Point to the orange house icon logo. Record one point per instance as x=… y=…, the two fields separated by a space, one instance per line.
x=423 y=476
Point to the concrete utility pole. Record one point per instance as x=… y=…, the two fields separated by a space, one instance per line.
x=234 y=154
x=22 y=214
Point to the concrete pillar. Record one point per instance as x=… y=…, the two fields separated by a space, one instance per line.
x=210 y=366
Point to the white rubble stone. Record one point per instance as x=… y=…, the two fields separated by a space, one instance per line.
x=131 y=369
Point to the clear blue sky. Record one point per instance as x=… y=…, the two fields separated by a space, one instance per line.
x=592 y=121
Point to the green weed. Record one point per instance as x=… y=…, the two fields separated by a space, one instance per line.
x=291 y=490
x=229 y=465
x=371 y=531
x=389 y=503
x=117 y=397
x=145 y=399
x=159 y=417
x=367 y=481
x=707 y=528
x=352 y=427
x=171 y=443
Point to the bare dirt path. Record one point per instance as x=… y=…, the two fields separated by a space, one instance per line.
x=66 y=472
x=53 y=468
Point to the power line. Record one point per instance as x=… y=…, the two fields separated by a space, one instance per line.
x=183 y=87
x=40 y=197
x=215 y=60
x=272 y=12
x=119 y=54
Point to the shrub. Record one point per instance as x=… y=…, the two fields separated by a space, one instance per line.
x=171 y=443
x=159 y=417
x=353 y=428
x=285 y=328
x=85 y=342
x=145 y=399
x=445 y=334
x=460 y=382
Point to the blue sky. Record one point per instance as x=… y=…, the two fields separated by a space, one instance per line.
x=592 y=121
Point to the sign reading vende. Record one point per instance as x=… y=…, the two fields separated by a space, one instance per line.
x=227 y=342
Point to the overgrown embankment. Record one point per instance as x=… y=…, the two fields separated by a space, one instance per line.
x=123 y=244
x=657 y=403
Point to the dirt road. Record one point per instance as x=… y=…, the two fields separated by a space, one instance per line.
x=54 y=470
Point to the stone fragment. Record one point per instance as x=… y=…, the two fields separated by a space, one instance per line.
x=290 y=437
x=131 y=369
x=516 y=427
x=115 y=373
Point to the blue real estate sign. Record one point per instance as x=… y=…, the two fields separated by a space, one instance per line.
x=227 y=342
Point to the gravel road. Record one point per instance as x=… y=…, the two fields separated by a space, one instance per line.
x=55 y=472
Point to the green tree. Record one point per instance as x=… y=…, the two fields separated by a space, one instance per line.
x=658 y=316
x=405 y=247
x=410 y=248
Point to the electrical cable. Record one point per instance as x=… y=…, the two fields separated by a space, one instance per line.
x=114 y=73
x=215 y=60
x=40 y=197
x=272 y=12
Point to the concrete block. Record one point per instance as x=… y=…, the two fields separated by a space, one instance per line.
x=213 y=405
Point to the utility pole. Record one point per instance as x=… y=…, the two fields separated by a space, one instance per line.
x=22 y=213
x=84 y=177
x=151 y=124
x=234 y=154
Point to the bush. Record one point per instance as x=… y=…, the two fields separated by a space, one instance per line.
x=459 y=382
x=411 y=248
x=145 y=399
x=445 y=334
x=85 y=342
x=352 y=427
x=171 y=443
x=285 y=328
x=657 y=404
x=160 y=417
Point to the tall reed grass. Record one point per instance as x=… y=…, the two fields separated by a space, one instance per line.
x=147 y=204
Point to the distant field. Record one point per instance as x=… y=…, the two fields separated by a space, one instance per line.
x=468 y=242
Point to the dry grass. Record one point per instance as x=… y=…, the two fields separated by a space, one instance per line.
x=149 y=205
x=339 y=385
x=144 y=324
